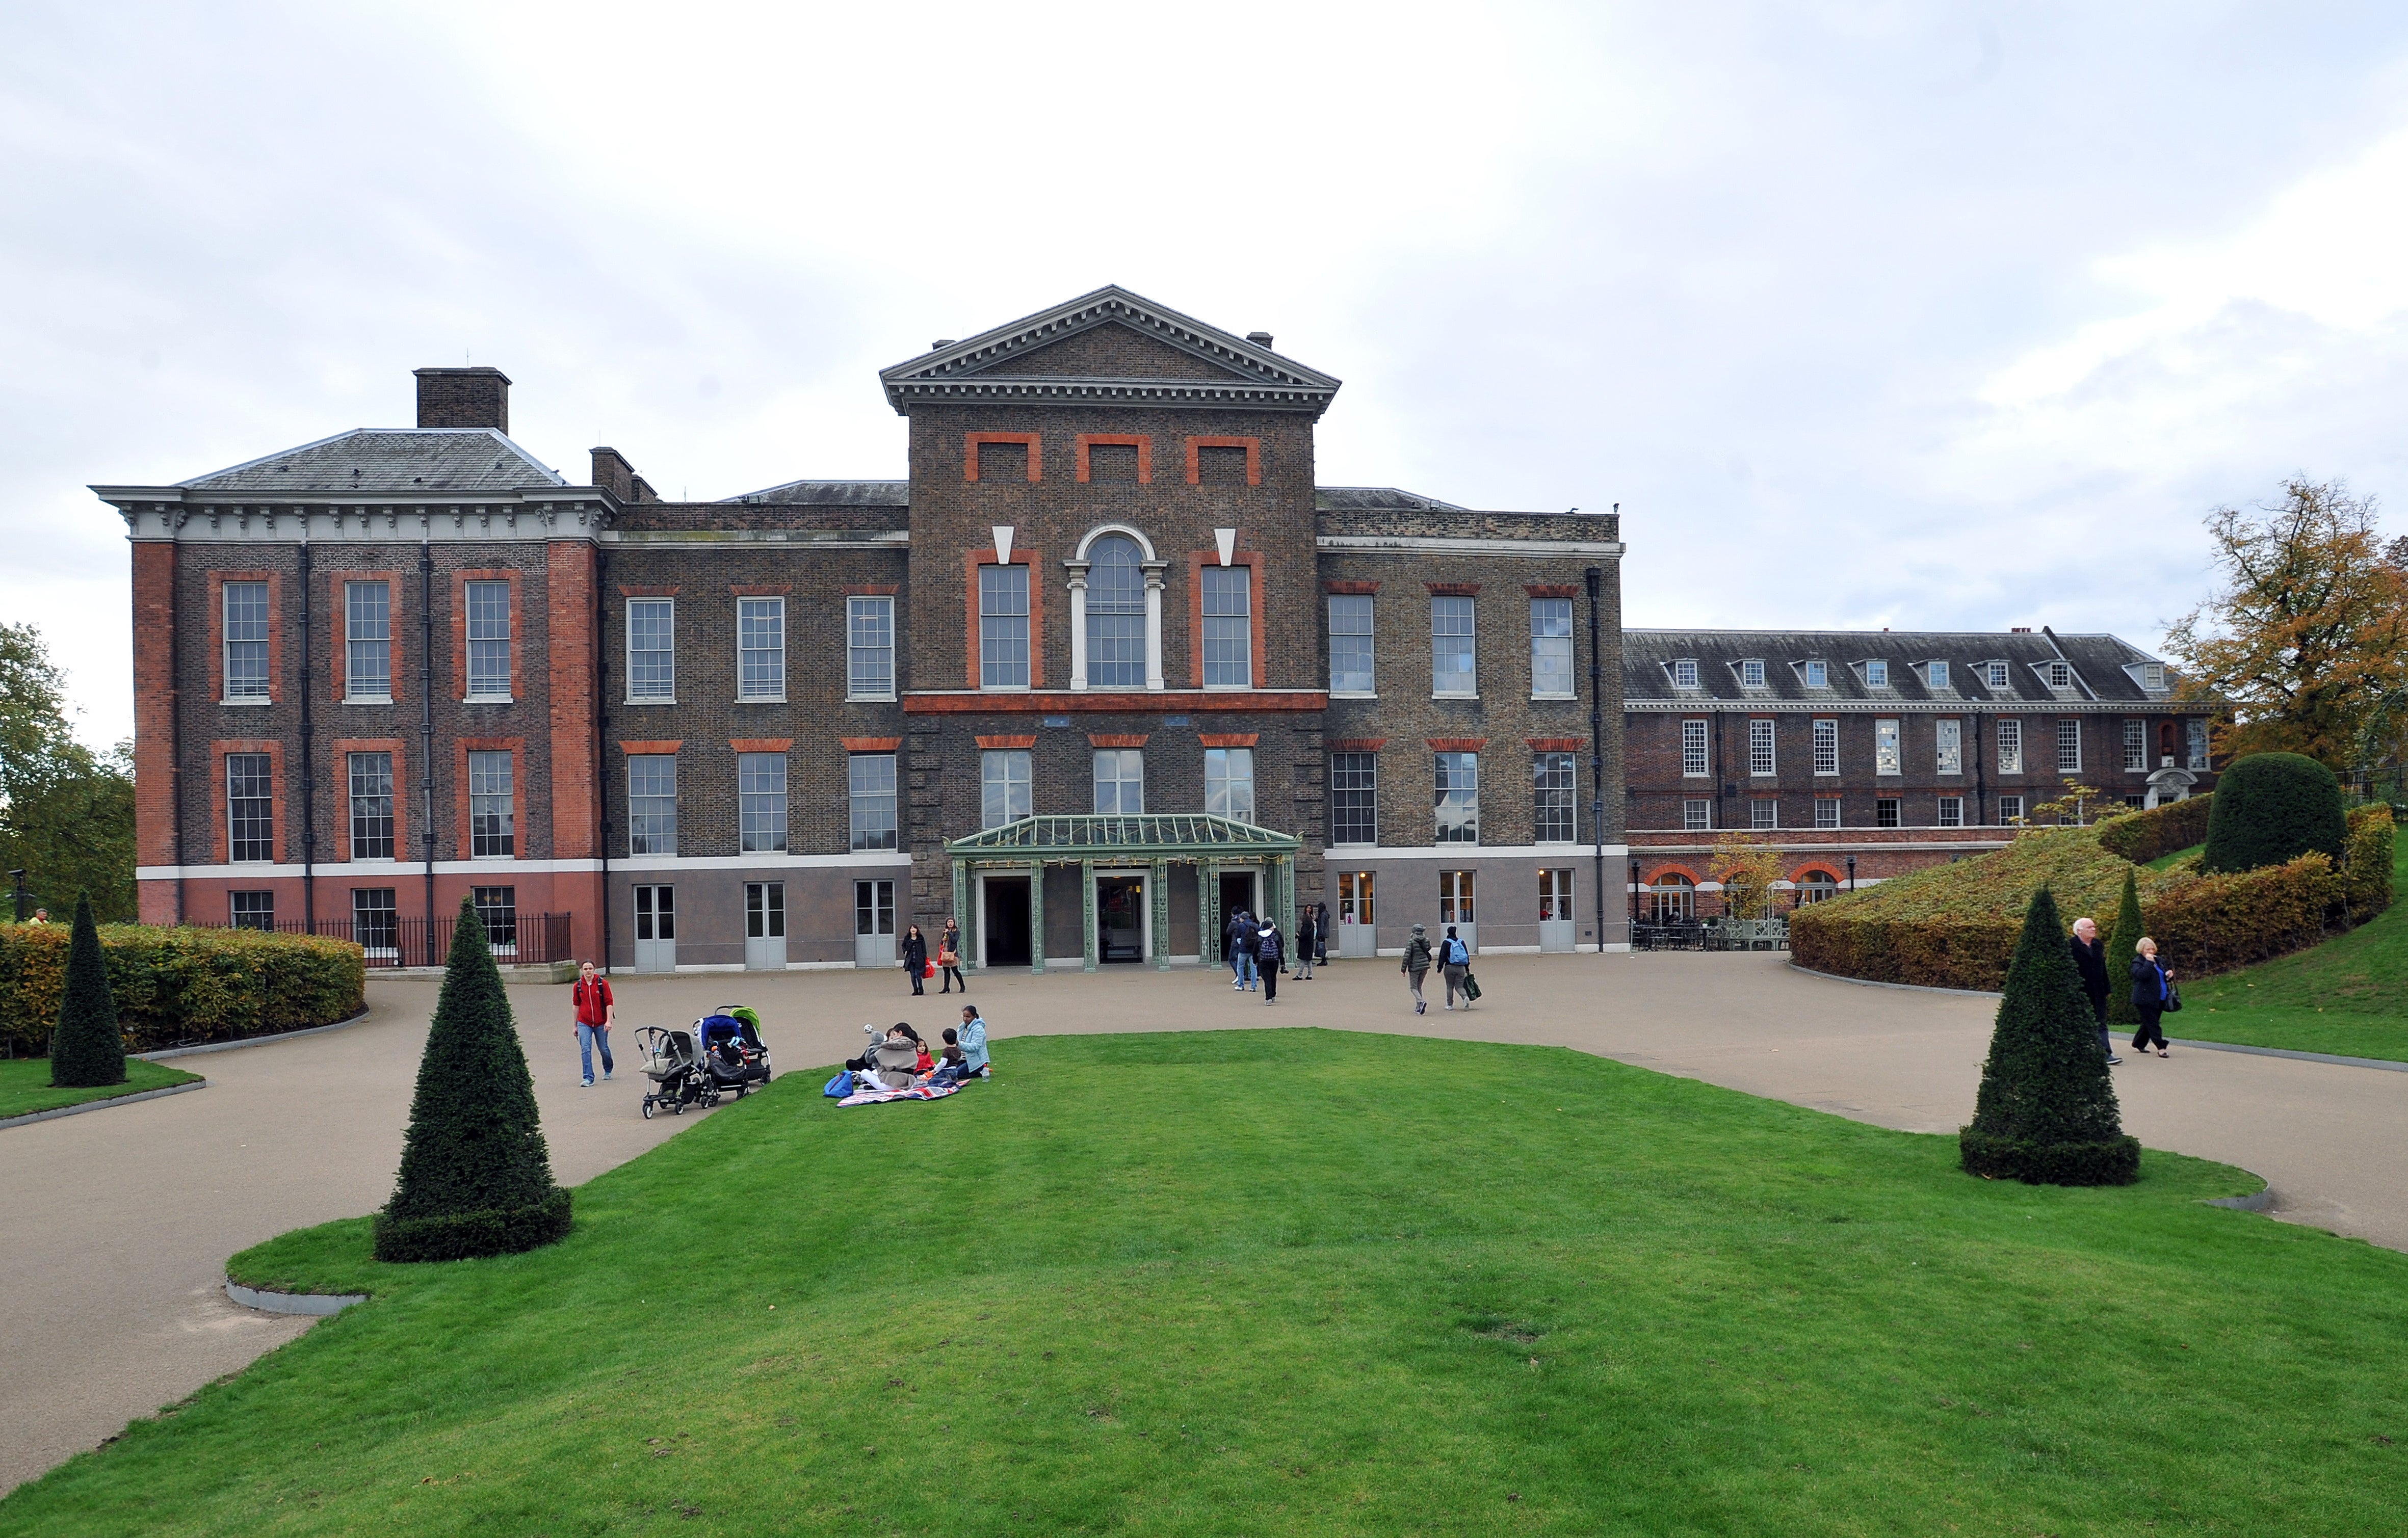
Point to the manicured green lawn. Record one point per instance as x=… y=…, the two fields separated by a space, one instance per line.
x=25 y=1085
x=2348 y=995
x=2168 y=862
x=1302 y=1282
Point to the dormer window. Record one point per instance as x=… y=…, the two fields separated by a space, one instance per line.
x=1877 y=674
x=1939 y=674
x=1818 y=674
x=2060 y=676
x=1684 y=674
x=2152 y=675
x=1750 y=673
x=1994 y=674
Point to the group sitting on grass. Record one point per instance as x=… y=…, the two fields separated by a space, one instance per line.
x=962 y=1056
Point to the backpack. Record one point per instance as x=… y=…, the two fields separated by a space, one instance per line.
x=840 y=1086
x=1457 y=954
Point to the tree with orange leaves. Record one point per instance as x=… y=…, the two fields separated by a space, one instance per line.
x=2306 y=638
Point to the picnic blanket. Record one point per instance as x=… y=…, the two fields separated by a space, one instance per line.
x=880 y=1097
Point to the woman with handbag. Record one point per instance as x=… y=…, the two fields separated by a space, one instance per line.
x=949 y=957
x=2153 y=995
x=915 y=957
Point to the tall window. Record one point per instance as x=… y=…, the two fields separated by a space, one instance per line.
x=869 y=648
x=1003 y=627
x=2195 y=738
x=367 y=641
x=1552 y=786
x=489 y=640
x=1354 y=798
x=652 y=804
x=1886 y=758
x=761 y=801
x=1120 y=781
x=1456 y=902
x=1115 y=613
x=1229 y=782
x=246 y=640
x=1551 y=648
x=871 y=782
x=761 y=648
x=1451 y=668
x=493 y=820
x=1827 y=747
x=1826 y=811
x=1938 y=672
x=1459 y=798
x=250 y=808
x=1003 y=786
x=2136 y=745
x=1350 y=643
x=1696 y=816
x=376 y=920
x=1228 y=627
x=371 y=776
x=1818 y=674
x=651 y=648
x=1948 y=744
x=497 y=909
x=1759 y=747
x=2011 y=748
x=2069 y=747
x=1877 y=674
x=1693 y=749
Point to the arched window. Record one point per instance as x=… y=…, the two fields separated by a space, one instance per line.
x=1115 y=613
x=1817 y=887
x=1676 y=898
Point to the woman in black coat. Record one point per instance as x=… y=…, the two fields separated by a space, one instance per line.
x=2152 y=986
x=915 y=957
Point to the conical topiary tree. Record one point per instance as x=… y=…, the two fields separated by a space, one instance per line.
x=2122 y=941
x=2046 y=1112
x=476 y=1178
x=86 y=1047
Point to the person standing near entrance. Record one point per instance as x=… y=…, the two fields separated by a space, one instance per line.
x=2090 y=962
x=1248 y=966
x=1270 y=956
x=1305 y=935
x=1456 y=958
x=596 y=1012
x=1416 y=966
x=949 y=957
x=1321 y=932
x=915 y=957
x=1229 y=940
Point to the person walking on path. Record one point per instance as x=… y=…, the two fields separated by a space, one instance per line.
x=1305 y=937
x=2090 y=960
x=1456 y=958
x=949 y=957
x=971 y=1035
x=1321 y=932
x=596 y=1012
x=915 y=957
x=2152 y=986
x=1249 y=967
x=1229 y=933
x=1415 y=966
x=1269 y=955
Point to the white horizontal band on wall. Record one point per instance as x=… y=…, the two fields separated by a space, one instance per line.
x=639 y=864
x=1337 y=856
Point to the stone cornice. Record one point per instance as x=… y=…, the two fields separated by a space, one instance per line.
x=1432 y=545
x=176 y=513
x=1918 y=707
x=1190 y=394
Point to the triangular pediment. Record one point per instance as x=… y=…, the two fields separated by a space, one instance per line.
x=1111 y=347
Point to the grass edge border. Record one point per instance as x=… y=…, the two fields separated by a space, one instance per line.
x=103 y=1104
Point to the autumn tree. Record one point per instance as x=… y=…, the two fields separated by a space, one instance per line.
x=1747 y=871
x=2306 y=635
x=66 y=812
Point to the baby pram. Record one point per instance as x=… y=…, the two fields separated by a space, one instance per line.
x=730 y=1036
x=695 y=1065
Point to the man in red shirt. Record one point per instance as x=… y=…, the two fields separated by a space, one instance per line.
x=596 y=1011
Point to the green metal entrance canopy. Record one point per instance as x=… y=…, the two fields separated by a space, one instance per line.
x=1155 y=841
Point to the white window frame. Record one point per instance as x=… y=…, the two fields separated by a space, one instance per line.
x=1006 y=776
x=2011 y=746
x=2011 y=811
x=1693 y=752
x=2136 y=746
x=2197 y=747
x=1224 y=769
x=994 y=672
x=1948 y=746
x=1569 y=653
x=1685 y=672
x=1448 y=793
x=755 y=611
x=1241 y=634
x=860 y=608
x=480 y=774
x=2058 y=674
x=1081 y=567
x=1121 y=760
x=1888 y=761
x=866 y=803
x=664 y=690
x=1470 y=649
x=1951 y=812
x=1826 y=744
x=1698 y=815
x=2069 y=739
x=1826 y=811
x=507 y=639
x=770 y=835
x=670 y=837
x=2153 y=676
x=1877 y=673
x=1762 y=759
x=1368 y=650
x=1936 y=674
x=354 y=642
x=1750 y=673
x=1818 y=674
x=1362 y=772
x=1555 y=787
x=1994 y=674
x=1763 y=812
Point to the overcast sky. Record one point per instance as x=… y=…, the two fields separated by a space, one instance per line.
x=1917 y=315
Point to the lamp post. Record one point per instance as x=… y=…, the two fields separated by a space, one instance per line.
x=1852 y=872
x=1634 y=892
x=19 y=877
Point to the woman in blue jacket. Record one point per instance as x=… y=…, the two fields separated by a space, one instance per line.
x=2152 y=986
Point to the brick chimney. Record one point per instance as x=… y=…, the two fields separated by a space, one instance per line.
x=464 y=397
x=614 y=475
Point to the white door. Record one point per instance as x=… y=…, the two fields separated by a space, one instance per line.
x=764 y=926
x=656 y=929
x=1556 y=911
x=873 y=923
x=1357 y=915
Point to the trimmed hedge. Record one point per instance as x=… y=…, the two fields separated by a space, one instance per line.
x=1956 y=925
x=179 y=986
x=2142 y=836
x=2269 y=810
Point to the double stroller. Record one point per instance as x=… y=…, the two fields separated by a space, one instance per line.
x=695 y=1065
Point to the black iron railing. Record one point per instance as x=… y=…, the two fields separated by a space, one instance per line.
x=396 y=942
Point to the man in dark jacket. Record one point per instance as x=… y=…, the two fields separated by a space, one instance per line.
x=1244 y=945
x=2090 y=960
x=1306 y=935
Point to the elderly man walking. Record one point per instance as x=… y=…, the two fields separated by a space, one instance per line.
x=2090 y=960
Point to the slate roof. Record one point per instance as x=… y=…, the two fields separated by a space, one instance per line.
x=2105 y=670
x=1330 y=499
x=390 y=458
x=833 y=493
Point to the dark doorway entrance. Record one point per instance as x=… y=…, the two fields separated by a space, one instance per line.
x=1238 y=892
x=1120 y=919
x=1006 y=921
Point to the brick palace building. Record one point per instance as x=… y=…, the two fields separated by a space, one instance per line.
x=1875 y=752
x=1108 y=665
